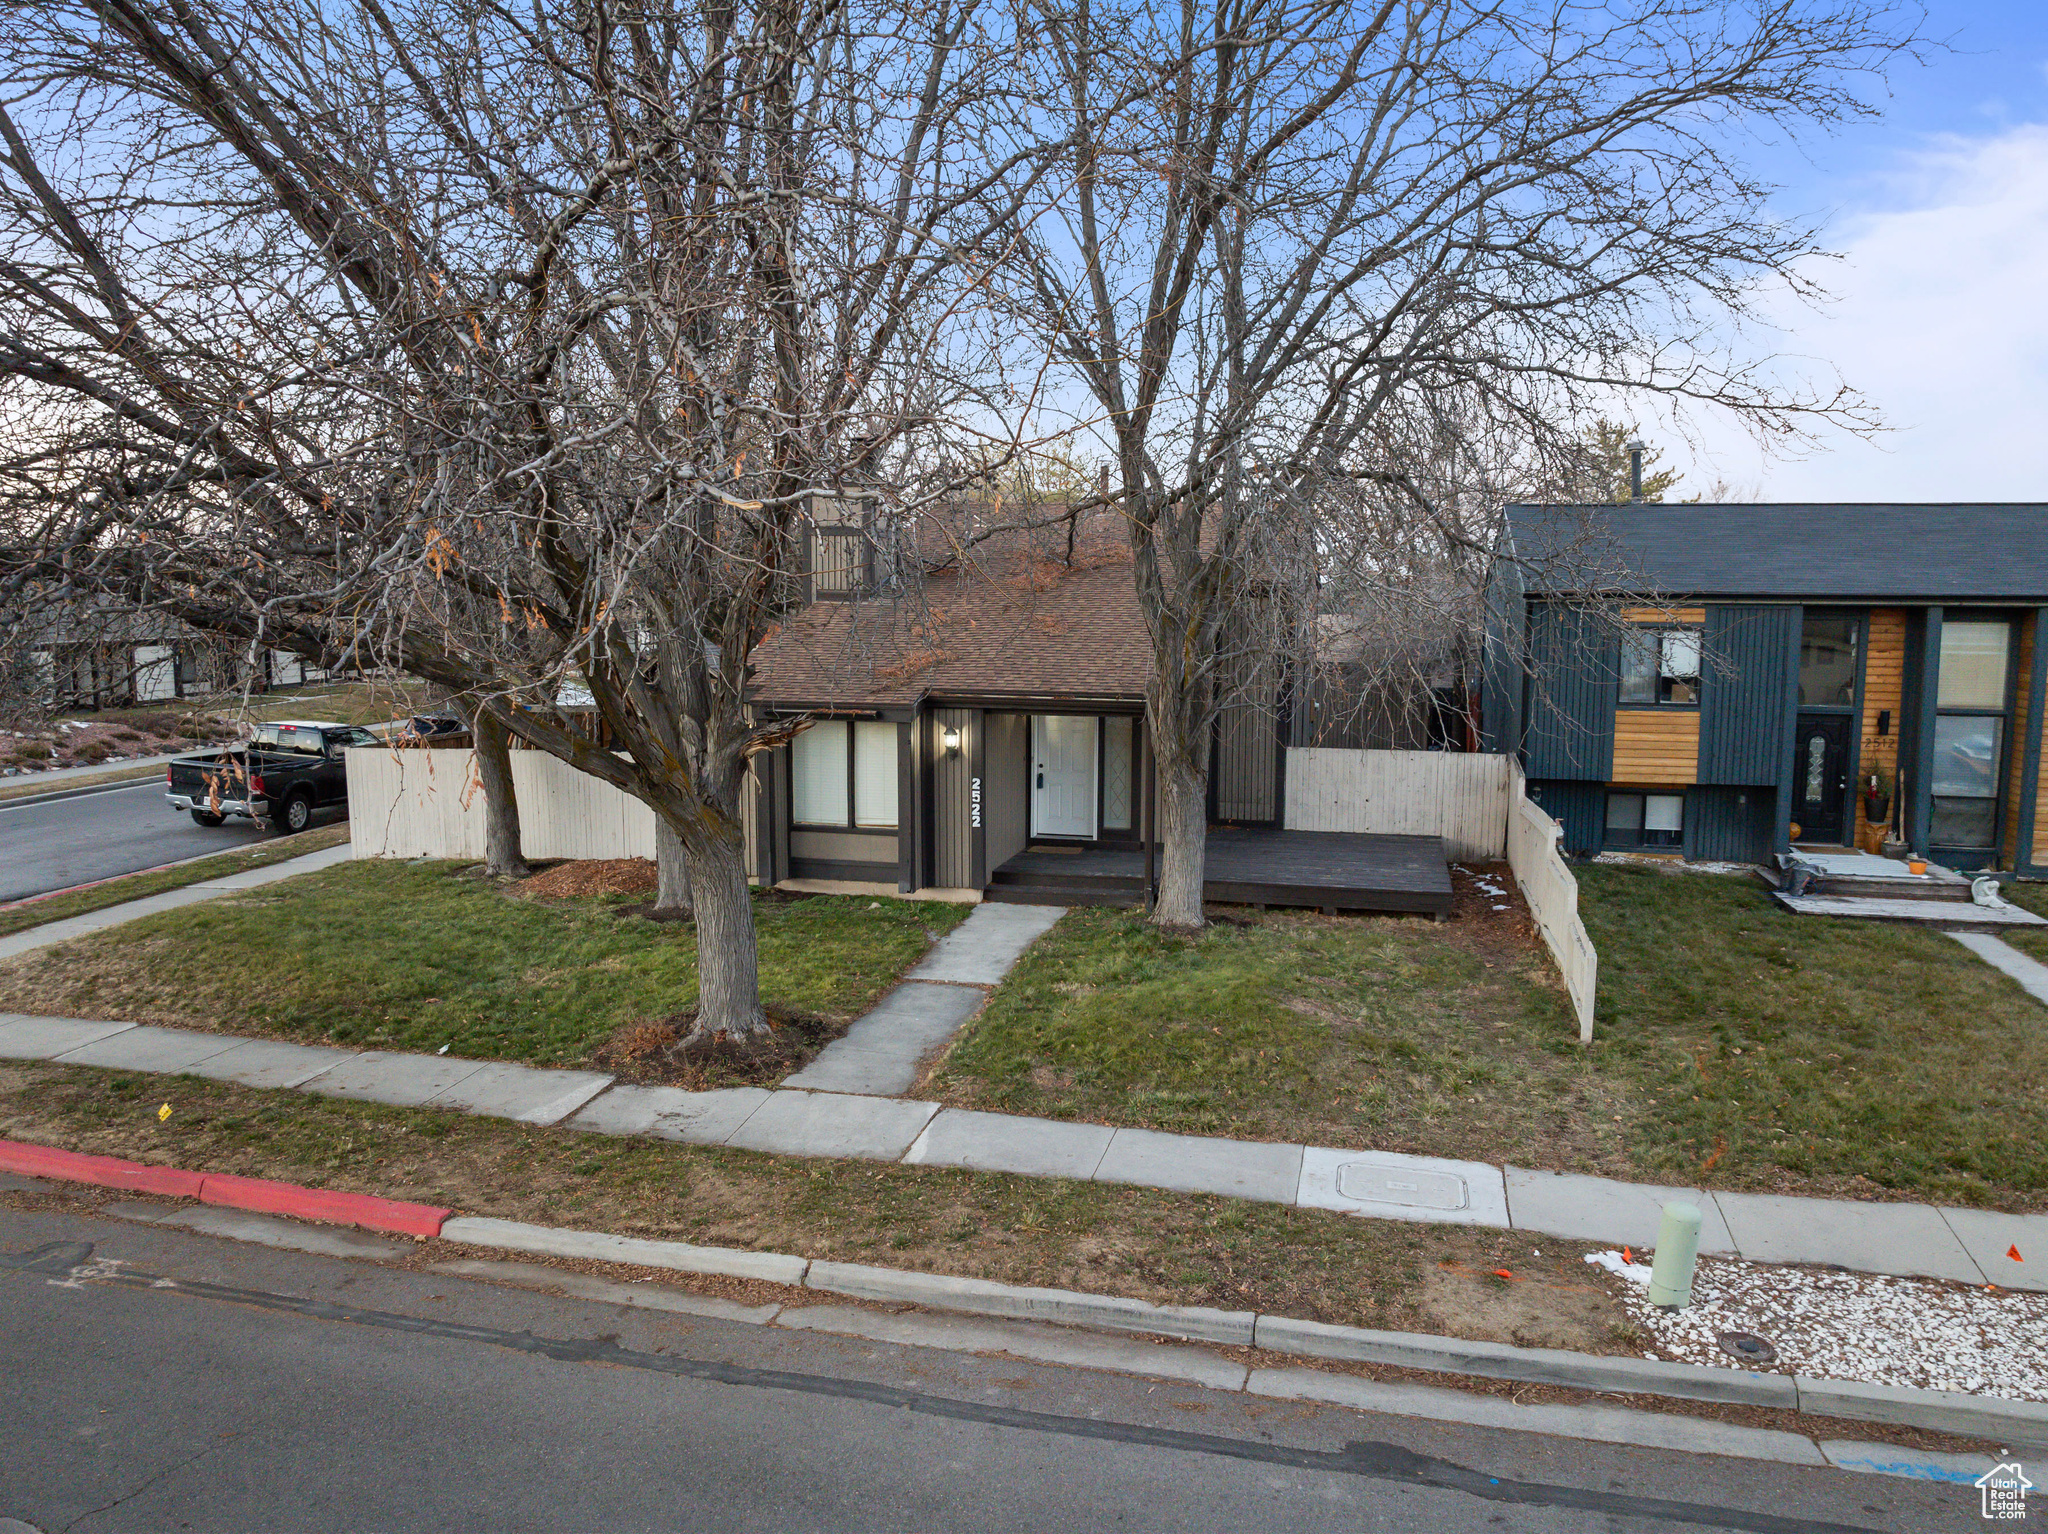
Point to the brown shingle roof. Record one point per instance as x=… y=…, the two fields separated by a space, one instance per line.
x=1041 y=631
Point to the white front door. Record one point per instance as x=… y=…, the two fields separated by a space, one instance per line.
x=1062 y=775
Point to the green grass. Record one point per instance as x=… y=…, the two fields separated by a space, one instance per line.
x=2032 y=941
x=412 y=957
x=1735 y=1044
x=136 y=886
x=1297 y=1027
x=1813 y=1050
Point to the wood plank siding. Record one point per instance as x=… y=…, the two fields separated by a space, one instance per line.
x=953 y=829
x=1664 y=615
x=1656 y=746
x=1884 y=690
x=1751 y=659
x=2016 y=744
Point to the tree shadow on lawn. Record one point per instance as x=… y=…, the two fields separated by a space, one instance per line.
x=408 y=957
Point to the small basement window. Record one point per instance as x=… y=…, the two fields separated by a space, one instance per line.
x=1645 y=821
x=1660 y=665
x=843 y=774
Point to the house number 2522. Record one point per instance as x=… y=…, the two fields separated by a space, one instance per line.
x=974 y=803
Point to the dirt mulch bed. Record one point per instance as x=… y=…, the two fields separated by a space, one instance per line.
x=587 y=877
x=656 y=1054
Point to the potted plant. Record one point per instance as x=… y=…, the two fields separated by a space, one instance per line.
x=1877 y=795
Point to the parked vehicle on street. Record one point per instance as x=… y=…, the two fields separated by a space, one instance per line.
x=288 y=772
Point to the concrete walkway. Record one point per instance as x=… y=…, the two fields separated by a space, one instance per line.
x=170 y=900
x=883 y=1054
x=1964 y=1244
x=2030 y=974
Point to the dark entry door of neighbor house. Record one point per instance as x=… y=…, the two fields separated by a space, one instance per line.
x=1820 y=777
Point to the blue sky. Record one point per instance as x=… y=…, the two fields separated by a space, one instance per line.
x=1940 y=303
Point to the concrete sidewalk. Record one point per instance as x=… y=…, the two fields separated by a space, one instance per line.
x=1907 y=1239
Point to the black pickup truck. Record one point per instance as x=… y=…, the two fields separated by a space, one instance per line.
x=281 y=776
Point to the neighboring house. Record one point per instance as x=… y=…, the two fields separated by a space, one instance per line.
x=1717 y=681
x=72 y=656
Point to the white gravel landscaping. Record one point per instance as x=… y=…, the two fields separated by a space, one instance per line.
x=1920 y=1333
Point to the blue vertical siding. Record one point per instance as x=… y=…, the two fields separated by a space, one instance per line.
x=1730 y=825
x=1503 y=661
x=1581 y=808
x=1746 y=718
x=1574 y=665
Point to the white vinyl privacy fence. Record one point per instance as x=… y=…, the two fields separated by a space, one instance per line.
x=1553 y=896
x=1462 y=797
x=419 y=803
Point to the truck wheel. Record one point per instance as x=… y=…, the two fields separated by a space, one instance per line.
x=203 y=818
x=298 y=814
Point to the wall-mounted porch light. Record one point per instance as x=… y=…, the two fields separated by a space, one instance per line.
x=952 y=739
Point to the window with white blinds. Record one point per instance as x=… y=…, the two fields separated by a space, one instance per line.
x=874 y=773
x=830 y=789
x=818 y=775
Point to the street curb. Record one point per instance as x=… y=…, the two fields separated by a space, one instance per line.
x=253 y=1193
x=1543 y=1366
x=596 y=1246
x=1967 y=1416
x=983 y=1297
x=105 y=1171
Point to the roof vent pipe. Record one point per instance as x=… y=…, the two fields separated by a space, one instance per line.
x=1635 y=471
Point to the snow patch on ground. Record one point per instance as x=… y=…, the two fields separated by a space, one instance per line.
x=1919 y=1333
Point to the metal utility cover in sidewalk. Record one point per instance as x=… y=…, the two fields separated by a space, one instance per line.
x=1395 y=1187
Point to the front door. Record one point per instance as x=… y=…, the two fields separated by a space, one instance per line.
x=1820 y=777
x=1062 y=775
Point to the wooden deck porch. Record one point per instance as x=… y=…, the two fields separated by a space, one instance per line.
x=1333 y=870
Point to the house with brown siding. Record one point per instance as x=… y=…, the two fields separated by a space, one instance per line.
x=1723 y=681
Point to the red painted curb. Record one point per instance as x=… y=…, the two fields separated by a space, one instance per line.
x=364 y=1209
x=106 y=1171
x=256 y=1193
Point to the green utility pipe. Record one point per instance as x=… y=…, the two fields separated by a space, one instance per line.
x=1678 y=1250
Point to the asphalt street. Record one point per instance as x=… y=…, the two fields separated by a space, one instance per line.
x=55 y=845
x=160 y=1380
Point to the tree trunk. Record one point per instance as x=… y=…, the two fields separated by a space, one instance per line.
x=728 y=963
x=672 y=869
x=1183 y=812
x=502 y=857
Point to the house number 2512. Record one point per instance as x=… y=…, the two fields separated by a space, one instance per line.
x=974 y=803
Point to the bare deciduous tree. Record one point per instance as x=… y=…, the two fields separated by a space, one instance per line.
x=1284 y=231
x=504 y=345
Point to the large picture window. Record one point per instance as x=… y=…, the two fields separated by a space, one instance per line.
x=843 y=774
x=1969 y=733
x=1661 y=666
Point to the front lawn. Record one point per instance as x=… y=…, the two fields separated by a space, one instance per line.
x=1735 y=1044
x=418 y=957
x=2032 y=941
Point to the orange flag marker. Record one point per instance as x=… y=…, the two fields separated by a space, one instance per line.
x=2013 y=1252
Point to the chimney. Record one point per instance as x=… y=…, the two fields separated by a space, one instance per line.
x=1635 y=471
